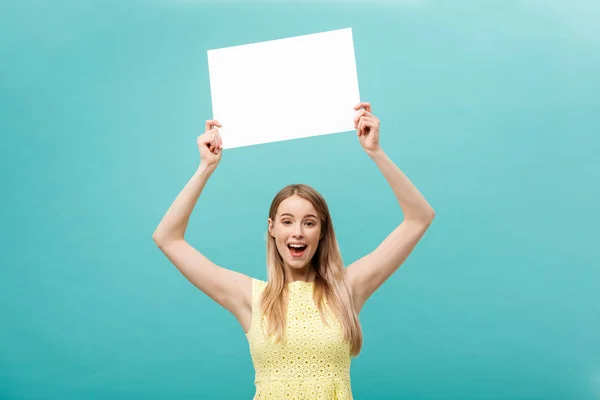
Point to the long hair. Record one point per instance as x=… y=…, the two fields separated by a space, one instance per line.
x=330 y=282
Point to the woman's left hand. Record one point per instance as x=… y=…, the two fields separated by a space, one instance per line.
x=367 y=126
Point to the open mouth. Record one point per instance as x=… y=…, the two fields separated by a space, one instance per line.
x=297 y=250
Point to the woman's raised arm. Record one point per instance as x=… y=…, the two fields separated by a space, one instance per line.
x=230 y=289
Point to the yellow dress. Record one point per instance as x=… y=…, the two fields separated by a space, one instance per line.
x=313 y=361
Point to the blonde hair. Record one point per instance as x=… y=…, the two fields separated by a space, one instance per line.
x=330 y=282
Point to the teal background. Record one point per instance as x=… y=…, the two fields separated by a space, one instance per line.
x=490 y=107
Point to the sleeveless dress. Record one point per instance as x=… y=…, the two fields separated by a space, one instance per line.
x=313 y=361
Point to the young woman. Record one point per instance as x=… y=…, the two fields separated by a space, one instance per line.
x=302 y=323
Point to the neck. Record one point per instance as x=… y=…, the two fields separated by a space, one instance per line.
x=305 y=274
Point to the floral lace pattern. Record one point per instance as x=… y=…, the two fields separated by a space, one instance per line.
x=312 y=362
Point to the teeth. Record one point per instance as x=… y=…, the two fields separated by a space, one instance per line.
x=297 y=245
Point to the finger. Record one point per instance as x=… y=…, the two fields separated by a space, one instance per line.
x=366 y=124
x=208 y=136
x=212 y=123
x=357 y=117
x=216 y=140
x=361 y=117
x=360 y=127
x=358 y=124
x=215 y=143
x=365 y=105
x=220 y=143
x=361 y=113
x=365 y=113
x=209 y=140
x=371 y=120
x=209 y=124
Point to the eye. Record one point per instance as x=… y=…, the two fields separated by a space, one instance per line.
x=311 y=223
x=285 y=222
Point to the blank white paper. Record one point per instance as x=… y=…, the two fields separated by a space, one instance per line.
x=284 y=89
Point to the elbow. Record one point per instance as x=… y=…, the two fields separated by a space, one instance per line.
x=156 y=239
x=425 y=217
x=156 y=236
x=161 y=240
x=431 y=215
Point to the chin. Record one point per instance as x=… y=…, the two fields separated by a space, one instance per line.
x=296 y=263
x=299 y=263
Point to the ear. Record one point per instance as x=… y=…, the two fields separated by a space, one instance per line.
x=270 y=226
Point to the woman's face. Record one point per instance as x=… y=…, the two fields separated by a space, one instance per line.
x=296 y=229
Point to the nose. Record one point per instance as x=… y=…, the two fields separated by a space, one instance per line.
x=297 y=231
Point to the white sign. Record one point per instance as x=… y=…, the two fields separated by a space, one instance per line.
x=284 y=89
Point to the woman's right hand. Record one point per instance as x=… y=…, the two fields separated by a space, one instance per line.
x=210 y=145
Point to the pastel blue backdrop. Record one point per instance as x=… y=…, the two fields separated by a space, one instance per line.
x=491 y=108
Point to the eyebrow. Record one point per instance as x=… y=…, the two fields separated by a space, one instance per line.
x=290 y=215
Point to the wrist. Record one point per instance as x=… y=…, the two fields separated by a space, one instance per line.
x=376 y=154
x=204 y=169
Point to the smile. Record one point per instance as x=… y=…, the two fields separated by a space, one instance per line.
x=297 y=251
